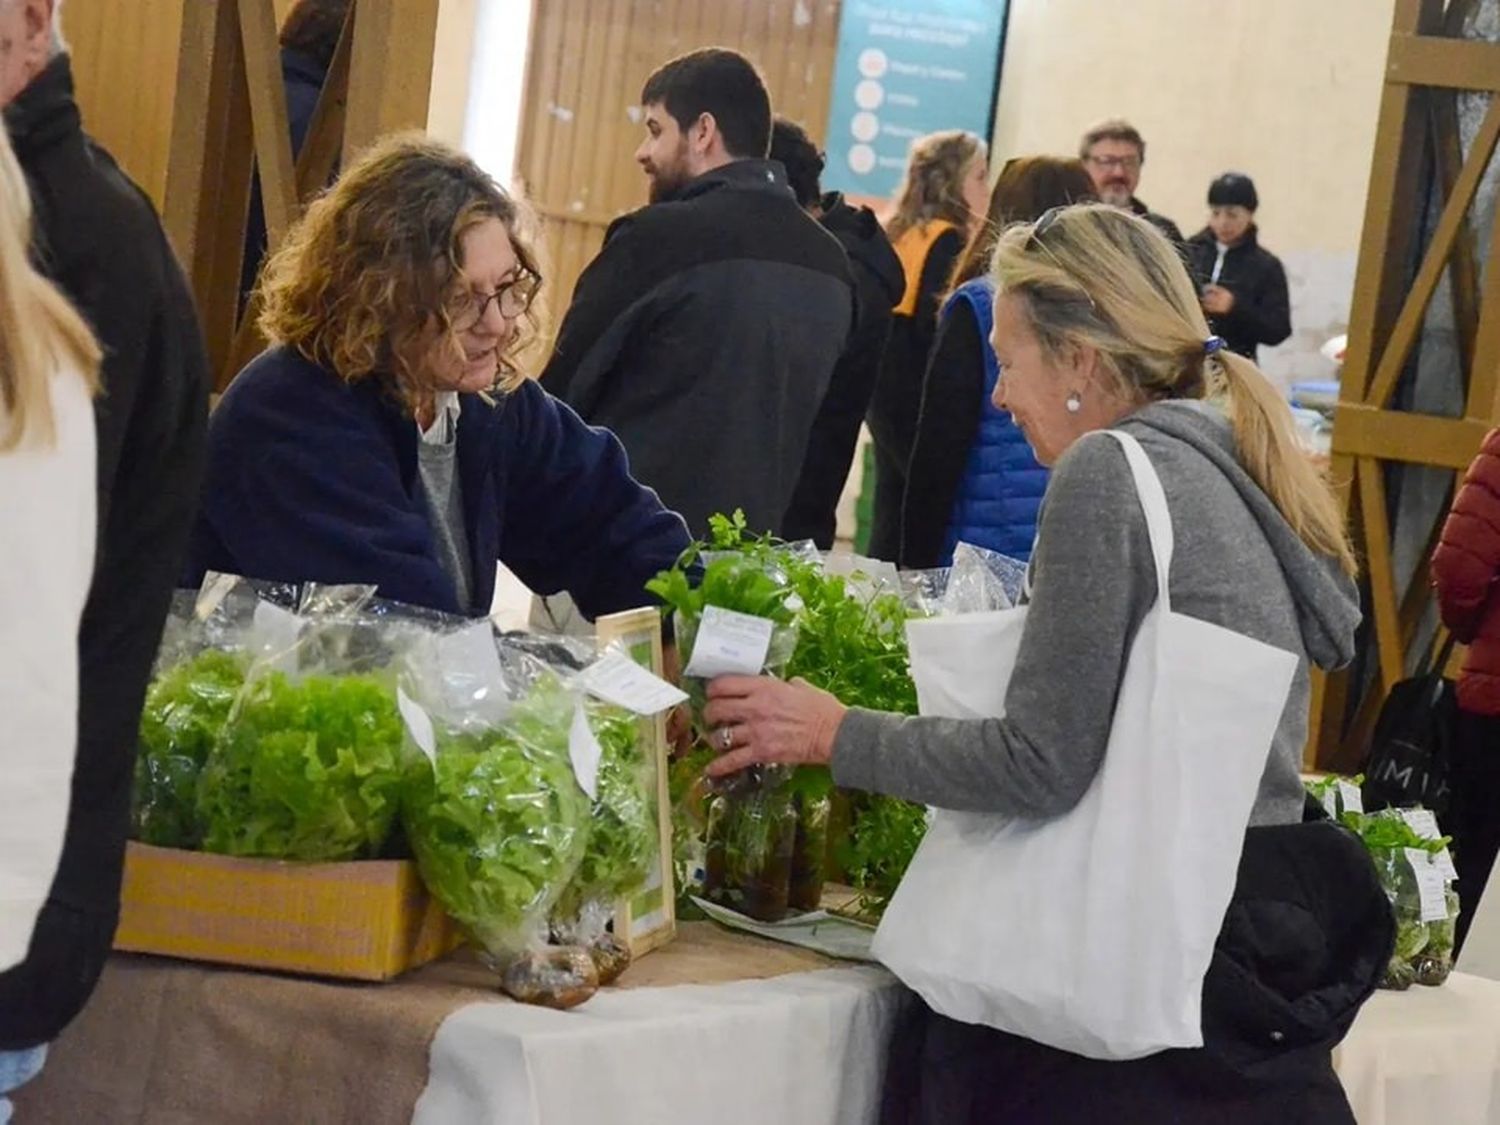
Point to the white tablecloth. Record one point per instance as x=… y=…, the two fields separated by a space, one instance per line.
x=1426 y=1056
x=802 y=1049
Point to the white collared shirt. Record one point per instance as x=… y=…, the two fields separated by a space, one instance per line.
x=444 y=426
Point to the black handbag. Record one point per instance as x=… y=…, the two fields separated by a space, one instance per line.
x=1411 y=751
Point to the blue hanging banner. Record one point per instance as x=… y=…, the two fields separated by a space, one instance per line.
x=905 y=68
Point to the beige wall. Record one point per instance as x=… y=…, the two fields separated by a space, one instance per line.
x=1285 y=90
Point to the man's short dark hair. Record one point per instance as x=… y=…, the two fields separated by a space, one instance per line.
x=720 y=82
x=791 y=145
x=313 y=27
x=1115 y=129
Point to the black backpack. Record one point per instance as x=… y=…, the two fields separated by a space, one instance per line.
x=1411 y=750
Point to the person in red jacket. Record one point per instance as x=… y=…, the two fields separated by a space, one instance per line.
x=1465 y=568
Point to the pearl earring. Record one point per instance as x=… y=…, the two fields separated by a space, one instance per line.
x=1074 y=403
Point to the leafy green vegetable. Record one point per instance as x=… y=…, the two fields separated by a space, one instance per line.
x=185 y=711
x=622 y=819
x=745 y=573
x=882 y=842
x=498 y=825
x=1387 y=830
x=309 y=770
x=853 y=647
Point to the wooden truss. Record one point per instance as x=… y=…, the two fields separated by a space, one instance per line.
x=1429 y=67
x=230 y=118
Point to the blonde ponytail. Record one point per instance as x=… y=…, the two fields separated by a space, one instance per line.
x=40 y=332
x=1265 y=440
x=1096 y=276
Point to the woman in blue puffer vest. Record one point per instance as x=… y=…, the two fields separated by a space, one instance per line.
x=972 y=478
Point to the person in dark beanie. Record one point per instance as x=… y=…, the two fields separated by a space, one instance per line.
x=879 y=283
x=706 y=331
x=1243 y=284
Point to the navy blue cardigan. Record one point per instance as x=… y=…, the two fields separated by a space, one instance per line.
x=313 y=479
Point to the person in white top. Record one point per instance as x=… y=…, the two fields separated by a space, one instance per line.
x=49 y=364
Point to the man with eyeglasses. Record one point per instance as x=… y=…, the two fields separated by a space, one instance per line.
x=1113 y=152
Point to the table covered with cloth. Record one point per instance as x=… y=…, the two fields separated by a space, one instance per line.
x=715 y=1026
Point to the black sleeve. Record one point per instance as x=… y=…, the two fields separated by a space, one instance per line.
x=1264 y=311
x=946 y=425
x=813 y=511
x=937 y=275
x=608 y=286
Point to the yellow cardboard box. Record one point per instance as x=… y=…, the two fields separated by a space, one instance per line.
x=368 y=920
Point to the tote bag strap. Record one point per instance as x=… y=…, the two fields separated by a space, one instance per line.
x=1154 y=504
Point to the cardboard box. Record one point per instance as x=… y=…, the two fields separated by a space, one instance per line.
x=369 y=920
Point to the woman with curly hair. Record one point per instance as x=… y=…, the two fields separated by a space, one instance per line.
x=940 y=204
x=387 y=436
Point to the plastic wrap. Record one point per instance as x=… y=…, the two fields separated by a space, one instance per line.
x=1424 y=902
x=309 y=764
x=207 y=646
x=492 y=809
x=979 y=581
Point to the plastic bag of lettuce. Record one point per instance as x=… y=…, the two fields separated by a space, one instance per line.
x=207 y=645
x=1417 y=878
x=491 y=808
x=622 y=843
x=309 y=765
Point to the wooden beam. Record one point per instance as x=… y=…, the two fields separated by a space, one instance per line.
x=1383 y=607
x=1393 y=190
x=1454 y=64
x=1453 y=220
x=268 y=114
x=1416 y=439
x=325 y=132
x=315 y=164
x=1463 y=265
x=189 y=170
x=390 y=72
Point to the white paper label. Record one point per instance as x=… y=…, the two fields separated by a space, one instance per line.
x=1353 y=801
x=617 y=679
x=1430 y=883
x=585 y=752
x=729 y=644
x=418 y=725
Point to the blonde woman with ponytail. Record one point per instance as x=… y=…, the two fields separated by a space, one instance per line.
x=1098 y=327
x=49 y=366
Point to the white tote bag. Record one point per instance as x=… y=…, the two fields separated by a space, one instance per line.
x=1092 y=932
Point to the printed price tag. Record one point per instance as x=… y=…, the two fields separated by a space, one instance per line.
x=1331 y=803
x=585 y=752
x=1353 y=801
x=1430 y=883
x=729 y=644
x=617 y=679
x=418 y=725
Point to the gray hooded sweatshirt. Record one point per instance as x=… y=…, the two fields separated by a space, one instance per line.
x=1237 y=564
